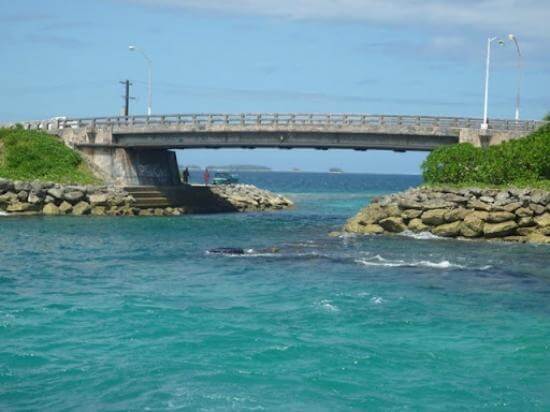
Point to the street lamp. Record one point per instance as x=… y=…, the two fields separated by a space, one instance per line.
x=515 y=40
x=490 y=40
x=150 y=77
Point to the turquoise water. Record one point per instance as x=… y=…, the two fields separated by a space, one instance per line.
x=134 y=314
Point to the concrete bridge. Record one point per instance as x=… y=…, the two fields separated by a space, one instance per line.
x=135 y=150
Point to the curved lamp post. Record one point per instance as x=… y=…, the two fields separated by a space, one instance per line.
x=490 y=40
x=513 y=38
x=149 y=75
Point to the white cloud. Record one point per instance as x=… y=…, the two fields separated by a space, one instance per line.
x=525 y=17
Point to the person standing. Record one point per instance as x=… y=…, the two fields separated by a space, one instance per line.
x=206 y=176
x=186 y=175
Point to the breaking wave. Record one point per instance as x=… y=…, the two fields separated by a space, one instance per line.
x=444 y=264
x=421 y=235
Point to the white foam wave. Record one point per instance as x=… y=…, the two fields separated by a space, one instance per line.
x=2 y=213
x=380 y=261
x=420 y=235
x=377 y=300
x=328 y=306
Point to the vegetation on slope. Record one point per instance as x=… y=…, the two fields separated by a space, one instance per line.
x=547 y=117
x=34 y=155
x=520 y=163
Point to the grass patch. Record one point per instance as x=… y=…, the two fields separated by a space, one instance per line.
x=35 y=155
x=517 y=163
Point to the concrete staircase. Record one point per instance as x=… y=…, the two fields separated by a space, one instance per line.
x=186 y=196
x=153 y=197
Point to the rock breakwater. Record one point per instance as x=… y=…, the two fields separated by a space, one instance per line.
x=514 y=215
x=40 y=198
x=250 y=198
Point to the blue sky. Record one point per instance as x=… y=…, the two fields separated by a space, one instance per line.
x=398 y=57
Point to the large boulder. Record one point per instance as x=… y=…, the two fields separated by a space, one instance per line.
x=19 y=186
x=5 y=185
x=411 y=213
x=8 y=197
x=536 y=208
x=499 y=229
x=472 y=226
x=437 y=204
x=434 y=217
x=416 y=225
x=479 y=205
x=526 y=221
x=371 y=229
x=543 y=220
x=497 y=217
x=524 y=212
x=19 y=207
x=65 y=207
x=73 y=196
x=81 y=208
x=22 y=195
x=510 y=207
x=409 y=203
x=50 y=210
x=99 y=211
x=448 y=229
x=541 y=197
x=56 y=193
x=34 y=198
x=535 y=237
x=98 y=199
x=393 y=224
x=456 y=214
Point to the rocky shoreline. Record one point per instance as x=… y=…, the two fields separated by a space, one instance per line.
x=515 y=215
x=51 y=199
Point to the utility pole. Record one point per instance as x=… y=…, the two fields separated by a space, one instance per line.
x=126 y=96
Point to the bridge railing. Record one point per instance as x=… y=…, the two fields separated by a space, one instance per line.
x=249 y=120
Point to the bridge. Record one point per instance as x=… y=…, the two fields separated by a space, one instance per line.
x=135 y=150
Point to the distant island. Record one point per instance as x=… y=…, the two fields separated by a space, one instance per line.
x=240 y=168
x=335 y=170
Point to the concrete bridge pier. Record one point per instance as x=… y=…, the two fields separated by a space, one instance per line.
x=134 y=167
x=124 y=166
x=485 y=138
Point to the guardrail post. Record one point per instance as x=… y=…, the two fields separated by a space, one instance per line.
x=226 y=119
x=276 y=118
x=381 y=121
x=242 y=119
x=194 y=119
x=292 y=119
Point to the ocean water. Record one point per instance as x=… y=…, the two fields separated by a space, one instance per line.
x=101 y=313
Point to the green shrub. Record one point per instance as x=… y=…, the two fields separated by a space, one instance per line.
x=547 y=117
x=30 y=155
x=514 y=162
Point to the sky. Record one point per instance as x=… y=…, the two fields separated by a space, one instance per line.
x=66 y=58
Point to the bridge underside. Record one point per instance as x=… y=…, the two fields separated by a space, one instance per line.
x=282 y=140
x=137 y=156
x=134 y=159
